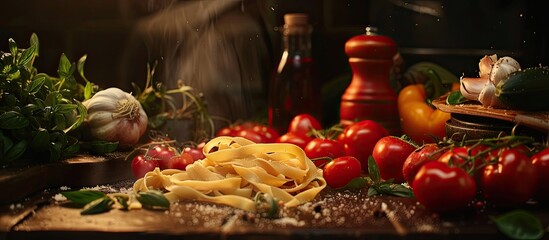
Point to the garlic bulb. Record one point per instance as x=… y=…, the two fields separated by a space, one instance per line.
x=115 y=115
x=492 y=72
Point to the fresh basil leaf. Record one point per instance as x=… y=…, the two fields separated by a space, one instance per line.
x=80 y=68
x=394 y=190
x=455 y=98
x=123 y=201
x=13 y=47
x=100 y=205
x=372 y=192
x=27 y=55
x=373 y=170
x=36 y=84
x=153 y=200
x=519 y=224
x=30 y=109
x=16 y=151
x=100 y=147
x=41 y=140
x=13 y=120
x=64 y=66
x=88 y=90
x=34 y=42
x=356 y=183
x=83 y=197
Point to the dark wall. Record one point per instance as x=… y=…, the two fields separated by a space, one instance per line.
x=454 y=34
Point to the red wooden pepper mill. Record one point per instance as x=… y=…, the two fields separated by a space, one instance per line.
x=369 y=95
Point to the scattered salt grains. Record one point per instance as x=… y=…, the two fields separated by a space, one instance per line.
x=285 y=221
x=59 y=197
x=16 y=206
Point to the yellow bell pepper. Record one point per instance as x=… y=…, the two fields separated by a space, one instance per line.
x=418 y=119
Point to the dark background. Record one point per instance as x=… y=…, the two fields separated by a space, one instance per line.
x=453 y=34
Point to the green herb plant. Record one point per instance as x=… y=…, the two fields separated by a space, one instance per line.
x=37 y=111
x=184 y=102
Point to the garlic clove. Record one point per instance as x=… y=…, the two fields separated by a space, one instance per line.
x=470 y=88
x=485 y=65
x=502 y=68
x=487 y=96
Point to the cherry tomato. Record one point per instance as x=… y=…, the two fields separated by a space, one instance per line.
x=300 y=141
x=323 y=148
x=141 y=166
x=268 y=134
x=416 y=159
x=511 y=181
x=541 y=164
x=442 y=188
x=180 y=162
x=251 y=135
x=302 y=124
x=340 y=171
x=227 y=131
x=196 y=153
x=162 y=155
x=468 y=158
x=360 y=139
x=390 y=153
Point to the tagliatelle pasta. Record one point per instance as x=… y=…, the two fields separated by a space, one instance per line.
x=235 y=169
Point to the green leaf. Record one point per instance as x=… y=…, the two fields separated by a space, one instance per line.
x=123 y=202
x=64 y=67
x=153 y=200
x=36 y=84
x=13 y=47
x=100 y=205
x=356 y=183
x=100 y=147
x=393 y=189
x=34 y=42
x=83 y=197
x=16 y=151
x=519 y=224
x=28 y=55
x=88 y=91
x=80 y=67
x=373 y=170
x=13 y=120
x=41 y=140
x=456 y=98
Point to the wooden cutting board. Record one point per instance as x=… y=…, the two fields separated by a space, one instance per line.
x=536 y=120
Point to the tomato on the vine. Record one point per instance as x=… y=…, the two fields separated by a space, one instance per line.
x=540 y=161
x=340 y=171
x=181 y=162
x=255 y=132
x=442 y=188
x=300 y=141
x=510 y=181
x=162 y=155
x=424 y=154
x=140 y=165
x=389 y=154
x=360 y=139
x=323 y=148
x=303 y=123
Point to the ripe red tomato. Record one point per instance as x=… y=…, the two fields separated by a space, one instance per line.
x=511 y=181
x=468 y=158
x=141 y=166
x=340 y=171
x=162 y=155
x=180 y=162
x=323 y=148
x=390 y=153
x=442 y=188
x=300 y=141
x=302 y=124
x=360 y=139
x=416 y=159
x=268 y=134
x=541 y=164
x=196 y=153
x=251 y=135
